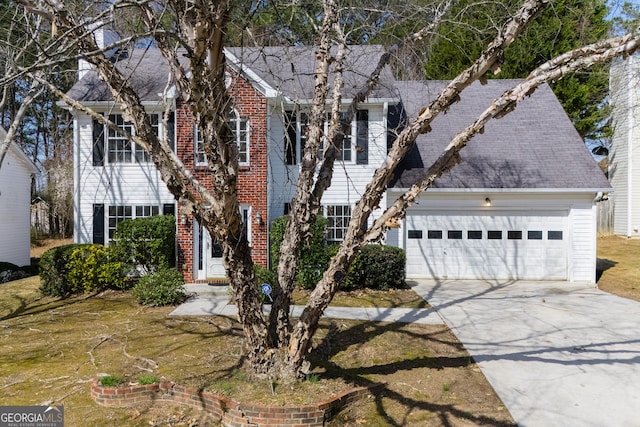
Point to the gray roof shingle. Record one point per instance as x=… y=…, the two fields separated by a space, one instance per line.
x=533 y=147
x=286 y=69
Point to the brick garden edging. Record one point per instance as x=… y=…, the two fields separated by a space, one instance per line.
x=230 y=412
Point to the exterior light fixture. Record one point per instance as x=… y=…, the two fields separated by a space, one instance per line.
x=258 y=219
x=487 y=202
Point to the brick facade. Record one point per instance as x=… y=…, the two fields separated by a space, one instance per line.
x=252 y=178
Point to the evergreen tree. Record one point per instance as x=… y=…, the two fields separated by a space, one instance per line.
x=564 y=25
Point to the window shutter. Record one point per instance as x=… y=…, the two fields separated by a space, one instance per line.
x=171 y=130
x=98 y=223
x=169 y=209
x=98 y=143
x=362 y=137
x=290 y=138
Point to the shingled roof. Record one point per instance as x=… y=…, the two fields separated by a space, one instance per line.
x=288 y=70
x=534 y=147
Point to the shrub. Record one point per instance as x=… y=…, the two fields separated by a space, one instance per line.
x=147 y=379
x=314 y=255
x=53 y=268
x=111 y=381
x=146 y=244
x=377 y=267
x=162 y=287
x=91 y=269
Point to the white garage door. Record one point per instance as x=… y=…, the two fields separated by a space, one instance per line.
x=503 y=245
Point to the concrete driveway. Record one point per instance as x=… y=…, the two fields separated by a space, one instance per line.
x=557 y=353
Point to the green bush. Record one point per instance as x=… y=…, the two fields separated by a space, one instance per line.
x=146 y=244
x=77 y=268
x=314 y=255
x=91 y=269
x=53 y=268
x=111 y=381
x=377 y=267
x=162 y=287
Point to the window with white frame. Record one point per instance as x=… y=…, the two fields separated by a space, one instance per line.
x=120 y=149
x=338 y=217
x=355 y=137
x=198 y=146
x=240 y=130
x=118 y=213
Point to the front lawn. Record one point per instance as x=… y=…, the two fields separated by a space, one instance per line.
x=619 y=266
x=50 y=350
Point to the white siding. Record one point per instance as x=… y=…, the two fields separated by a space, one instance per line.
x=583 y=232
x=349 y=179
x=116 y=184
x=15 y=202
x=624 y=155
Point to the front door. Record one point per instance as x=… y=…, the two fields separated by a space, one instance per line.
x=209 y=259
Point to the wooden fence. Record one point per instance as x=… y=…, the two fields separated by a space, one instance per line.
x=604 y=210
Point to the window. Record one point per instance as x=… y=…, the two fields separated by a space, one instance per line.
x=113 y=147
x=494 y=235
x=514 y=235
x=414 y=234
x=474 y=234
x=338 y=217
x=534 y=235
x=554 y=235
x=199 y=154
x=118 y=146
x=118 y=213
x=434 y=234
x=240 y=128
x=454 y=234
x=355 y=139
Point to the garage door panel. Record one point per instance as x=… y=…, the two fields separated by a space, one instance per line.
x=525 y=248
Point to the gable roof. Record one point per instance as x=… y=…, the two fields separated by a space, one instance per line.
x=287 y=70
x=146 y=69
x=534 y=147
x=290 y=70
x=18 y=154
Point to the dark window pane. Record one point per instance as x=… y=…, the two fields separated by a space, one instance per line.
x=534 y=235
x=494 y=234
x=454 y=234
x=474 y=234
x=434 y=234
x=554 y=235
x=514 y=235
x=414 y=234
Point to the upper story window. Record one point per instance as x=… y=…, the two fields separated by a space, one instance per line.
x=240 y=129
x=114 y=147
x=355 y=140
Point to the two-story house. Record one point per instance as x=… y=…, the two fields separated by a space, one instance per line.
x=520 y=206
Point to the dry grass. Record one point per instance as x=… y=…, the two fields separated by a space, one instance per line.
x=51 y=349
x=619 y=266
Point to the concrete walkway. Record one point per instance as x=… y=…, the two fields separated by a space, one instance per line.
x=557 y=354
x=210 y=300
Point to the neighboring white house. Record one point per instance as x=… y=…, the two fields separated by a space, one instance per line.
x=15 y=204
x=624 y=153
x=519 y=206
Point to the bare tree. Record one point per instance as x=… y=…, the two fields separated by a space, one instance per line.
x=278 y=346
